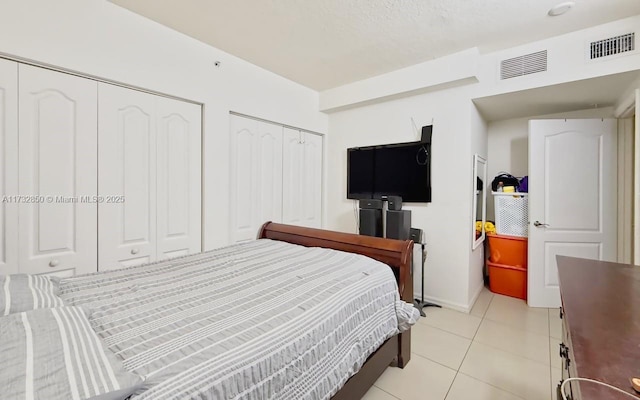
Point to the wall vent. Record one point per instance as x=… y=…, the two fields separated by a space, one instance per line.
x=523 y=65
x=611 y=46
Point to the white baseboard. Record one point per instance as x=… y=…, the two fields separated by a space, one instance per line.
x=447 y=304
x=465 y=308
x=476 y=295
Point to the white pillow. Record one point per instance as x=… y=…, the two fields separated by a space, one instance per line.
x=54 y=354
x=22 y=292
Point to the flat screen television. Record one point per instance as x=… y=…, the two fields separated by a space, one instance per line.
x=401 y=169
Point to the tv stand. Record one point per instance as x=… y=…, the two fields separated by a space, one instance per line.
x=421 y=304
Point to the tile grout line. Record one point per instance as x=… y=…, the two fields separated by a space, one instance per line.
x=452 y=333
x=467 y=352
x=453 y=380
x=474 y=341
x=515 y=355
x=493 y=386
x=489 y=383
x=445 y=366
x=433 y=361
x=379 y=388
x=502 y=323
x=519 y=330
x=488 y=305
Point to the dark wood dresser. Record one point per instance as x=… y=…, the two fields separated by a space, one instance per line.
x=601 y=326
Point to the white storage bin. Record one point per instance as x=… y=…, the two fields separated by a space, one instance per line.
x=512 y=213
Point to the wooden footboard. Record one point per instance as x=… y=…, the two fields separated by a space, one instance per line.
x=396 y=254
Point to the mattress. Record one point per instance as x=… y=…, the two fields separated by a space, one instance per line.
x=258 y=320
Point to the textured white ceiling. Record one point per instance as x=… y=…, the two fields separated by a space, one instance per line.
x=326 y=43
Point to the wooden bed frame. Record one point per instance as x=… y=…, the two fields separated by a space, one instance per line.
x=396 y=254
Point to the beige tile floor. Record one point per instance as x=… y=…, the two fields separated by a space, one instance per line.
x=502 y=350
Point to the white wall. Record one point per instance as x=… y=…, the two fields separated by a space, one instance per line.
x=99 y=38
x=453 y=272
x=478 y=133
x=446 y=220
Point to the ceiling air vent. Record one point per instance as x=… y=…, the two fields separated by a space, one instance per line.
x=611 y=46
x=523 y=65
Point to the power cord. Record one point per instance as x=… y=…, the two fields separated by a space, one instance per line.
x=564 y=396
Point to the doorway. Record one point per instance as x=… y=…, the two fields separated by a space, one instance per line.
x=572 y=198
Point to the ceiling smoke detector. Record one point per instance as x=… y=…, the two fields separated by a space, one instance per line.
x=561 y=8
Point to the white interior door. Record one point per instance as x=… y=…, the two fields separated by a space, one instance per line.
x=293 y=177
x=8 y=166
x=636 y=177
x=572 y=199
x=127 y=177
x=243 y=171
x=312 y=182
x=179 y=178
x=57 y=168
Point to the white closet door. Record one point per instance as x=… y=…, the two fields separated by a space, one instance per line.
x=8 y=166
x=311 y=184
x=126 y=177
x=243 y=171
x=293 y=177
x=268 y=204
x=57 y=169
x=179 y=178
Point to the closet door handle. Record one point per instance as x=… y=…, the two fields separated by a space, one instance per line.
x=135 y=251
x=54 y=263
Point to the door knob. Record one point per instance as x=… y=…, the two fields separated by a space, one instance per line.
x=54 y=263
x=135 y=251
x=538 y=224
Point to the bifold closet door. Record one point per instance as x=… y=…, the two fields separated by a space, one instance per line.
x=302 y=182
x=293 y=167
x=57 y=172
x=312 y=182
x=8 y=166
x=268 y=206
x=243 y=170
x=255 y=175
x=179 y=178
x=126 y=177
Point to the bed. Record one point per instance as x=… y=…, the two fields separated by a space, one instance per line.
x=396 y=351
x=280 y=317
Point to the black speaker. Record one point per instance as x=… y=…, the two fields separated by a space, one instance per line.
x=394 y=203
x=371 y=221
x=371 y=203
x=399 y=224
x=415 y=235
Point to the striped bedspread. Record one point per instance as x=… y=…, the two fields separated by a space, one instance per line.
x=258 y=320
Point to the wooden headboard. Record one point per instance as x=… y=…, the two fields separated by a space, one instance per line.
x=395 y=253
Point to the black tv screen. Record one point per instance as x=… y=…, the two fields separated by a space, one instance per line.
x=360 y=176
x=399 y=170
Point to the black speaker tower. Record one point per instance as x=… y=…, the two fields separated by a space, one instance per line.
x=370 y=217
x=398 y=224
